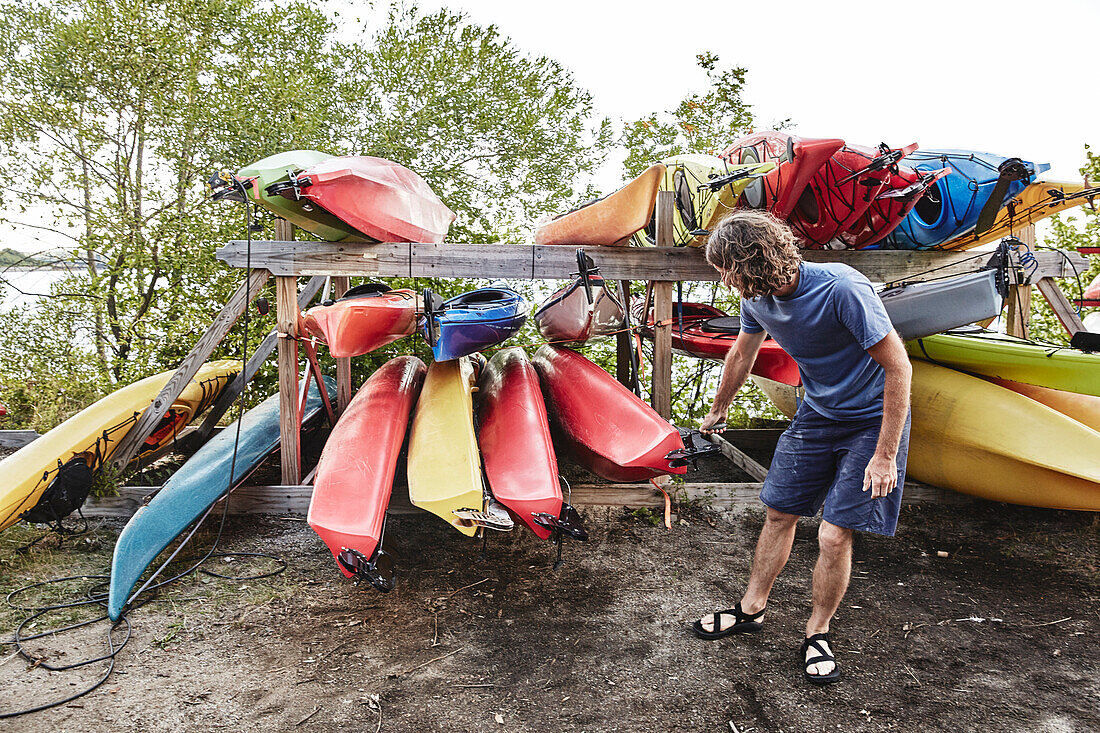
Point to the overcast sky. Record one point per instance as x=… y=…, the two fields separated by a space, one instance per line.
x=1008 y=77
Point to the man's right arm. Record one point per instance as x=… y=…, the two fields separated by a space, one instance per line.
x=735 y=370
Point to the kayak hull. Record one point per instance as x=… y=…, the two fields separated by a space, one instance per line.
x=356 y=469
x=607 y=221
x=444 y=466
x=473 y=321
x=904 y=188
x=384 y=200
x=514 y=435
x=99 y=428
x=568 y=316
x=358 y=325
x=991 y=354
x=194 y=488
x=609 y=429
x=1036 y=202
x=924 y=309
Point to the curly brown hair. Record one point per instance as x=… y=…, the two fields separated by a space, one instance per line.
x=754 y=252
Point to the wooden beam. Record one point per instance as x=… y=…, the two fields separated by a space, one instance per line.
x=343 y=364
x=1061 y=306
x=739 y=458
x=286 y=322
x=294 y=500
x=661 y=385
x=255 y=361
x=624 y=343
x=128 y=447
x=556 y=262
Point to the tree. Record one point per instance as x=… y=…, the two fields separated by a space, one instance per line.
x=700 y=123
x=115 y=112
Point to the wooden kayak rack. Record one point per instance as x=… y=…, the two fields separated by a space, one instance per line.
x=661 y=266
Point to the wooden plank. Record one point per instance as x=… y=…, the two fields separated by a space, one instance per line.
x=1019 y=310
x=17 y=438
x=661 y=385
x=739 y=458
x=343 y=364
x=624 y=343
x=255 y=361
x=1061 y=306
x=294 y=500
x=286 y=290
x=556 y=262
x=128 y=447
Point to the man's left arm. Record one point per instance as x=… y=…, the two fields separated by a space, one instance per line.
x=881 y=476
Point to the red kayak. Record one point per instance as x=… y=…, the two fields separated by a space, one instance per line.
x=380 y=198
x=611 y=432
x=841 y=191
x=709 y=333
x=797 y=160
x=365 y=318
x=355 y=472
x=514 y=436
x=903 y=189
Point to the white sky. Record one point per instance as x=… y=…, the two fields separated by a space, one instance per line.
x=1008 y=77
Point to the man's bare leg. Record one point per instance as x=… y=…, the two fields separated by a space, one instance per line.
x=831 y=574
x=772 y=551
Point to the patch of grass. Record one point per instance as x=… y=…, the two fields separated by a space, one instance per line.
x=647 y=516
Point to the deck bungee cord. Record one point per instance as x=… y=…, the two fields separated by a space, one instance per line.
x=96 y=594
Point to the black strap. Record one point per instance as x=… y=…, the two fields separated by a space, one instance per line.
x=814 y=642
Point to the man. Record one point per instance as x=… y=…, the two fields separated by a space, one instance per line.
x=844 y=452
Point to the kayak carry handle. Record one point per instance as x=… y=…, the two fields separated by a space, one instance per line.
x=568 y=522
x=695 y=446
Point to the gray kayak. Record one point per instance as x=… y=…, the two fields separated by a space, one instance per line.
x=923 y=309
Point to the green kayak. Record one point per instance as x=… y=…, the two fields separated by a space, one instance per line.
x=302 y=213
x=992 y=354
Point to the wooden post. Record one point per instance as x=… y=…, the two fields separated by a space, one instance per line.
x=624 y=344
x=661 y=387
x=1061 y=306
x=286 y=315
x=128 y=447
x=343 y=364
x=1019 y=295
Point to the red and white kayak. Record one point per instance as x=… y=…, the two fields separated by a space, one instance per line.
x=514 y=436
x=840 y=193
x=583 y=309
x=365 y=318
x=355 y=472
x=708 y=333
x=797 y=160
x=380 y=198
x=610 y=431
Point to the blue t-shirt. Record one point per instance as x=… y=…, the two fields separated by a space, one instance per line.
x=827 y=324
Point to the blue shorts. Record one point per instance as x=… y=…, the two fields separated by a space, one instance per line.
x=821 y=462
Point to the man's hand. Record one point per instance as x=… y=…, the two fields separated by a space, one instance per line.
x=881 y=476
x=713 y=418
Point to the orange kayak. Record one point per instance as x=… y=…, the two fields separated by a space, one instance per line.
x=610 y=220
x=365 y=318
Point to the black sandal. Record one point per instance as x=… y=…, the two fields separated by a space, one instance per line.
x=745 y=623
x=814 y=642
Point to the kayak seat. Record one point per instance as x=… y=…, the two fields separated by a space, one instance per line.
x=483 y=297
x=725 y=324
x=366 y=290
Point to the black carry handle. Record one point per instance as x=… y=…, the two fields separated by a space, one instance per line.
x=378 y=571
x=695 y=446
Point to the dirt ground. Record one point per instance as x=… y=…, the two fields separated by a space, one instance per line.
x=1000 y=635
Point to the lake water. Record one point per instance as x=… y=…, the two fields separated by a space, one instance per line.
x=23 y=287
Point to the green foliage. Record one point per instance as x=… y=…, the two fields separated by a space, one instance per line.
x=1069 y=231
x=700 y=123
x=114 y=113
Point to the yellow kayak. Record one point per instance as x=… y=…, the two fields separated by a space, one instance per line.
x=1037 y=201
x=1084 y=408
x=610 y=220
x=95 y=431
x=444 y=463
x=706 y=190
x=978 y=438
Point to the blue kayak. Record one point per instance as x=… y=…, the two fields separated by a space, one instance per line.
x=194 y=488
x=472 y=321
x=951 y=206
